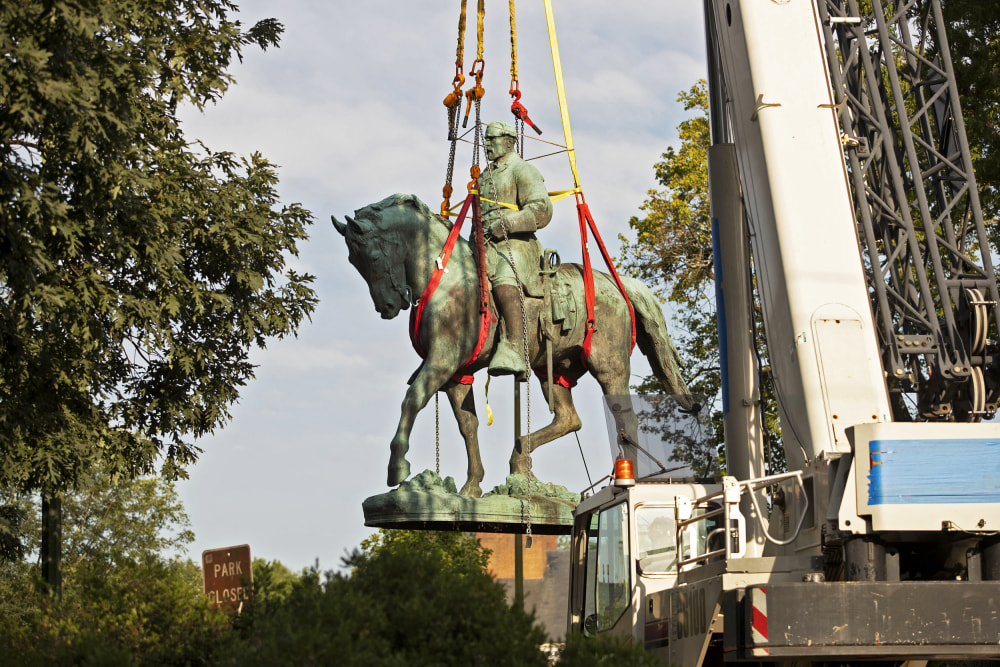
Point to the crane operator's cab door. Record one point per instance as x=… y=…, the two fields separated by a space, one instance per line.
x=606 y=591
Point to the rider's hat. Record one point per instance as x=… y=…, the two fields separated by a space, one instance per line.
x=500 y=128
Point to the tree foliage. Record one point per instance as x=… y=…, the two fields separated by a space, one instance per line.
x=673 y=246
x=605 y=649
x=409 y=598
x=147 y=612
x=124 y=599
x=673 y=252
x=973 y=30
x=404 y=599
x=137 y=267
x=106 y=522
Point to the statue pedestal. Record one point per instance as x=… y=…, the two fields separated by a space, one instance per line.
x=426 y=502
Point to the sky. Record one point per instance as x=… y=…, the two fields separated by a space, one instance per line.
x=350 y=109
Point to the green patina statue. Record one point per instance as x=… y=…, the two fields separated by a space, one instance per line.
x=395 y=244
x=515 y=203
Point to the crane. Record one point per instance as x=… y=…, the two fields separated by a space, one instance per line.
x=843 y=193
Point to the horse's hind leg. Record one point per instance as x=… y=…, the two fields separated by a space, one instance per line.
x=463 y=404
x=566 y=420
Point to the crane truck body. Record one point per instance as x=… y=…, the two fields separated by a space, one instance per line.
x=841 y=181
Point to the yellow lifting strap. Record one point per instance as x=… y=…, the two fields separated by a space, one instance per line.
x=554 y=196
x=513 y=45
x=561 y=91
x=512 y=207
x=562 y=194
x=480 y=13
x=460 y=51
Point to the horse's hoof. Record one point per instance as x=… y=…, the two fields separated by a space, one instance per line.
x=398 y=473
x=472 y=490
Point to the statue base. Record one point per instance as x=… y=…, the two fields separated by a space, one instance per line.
x=427 y=502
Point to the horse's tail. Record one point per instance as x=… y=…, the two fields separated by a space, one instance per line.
x=652 y=337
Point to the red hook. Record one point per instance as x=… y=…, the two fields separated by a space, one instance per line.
x=517 y=108
x=522 y=114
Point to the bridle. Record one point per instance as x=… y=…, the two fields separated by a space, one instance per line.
x=380 y=267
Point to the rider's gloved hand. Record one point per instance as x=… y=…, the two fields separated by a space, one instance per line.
x=493 y=224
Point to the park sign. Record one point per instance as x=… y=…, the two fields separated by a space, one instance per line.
x=228 y=576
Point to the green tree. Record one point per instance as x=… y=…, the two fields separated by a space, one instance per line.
x=409 y=598
x=124 y=599
x=273 y=582
x=12 y=519
x=973 y=30
x=137 y=267
x=460 y=551
x=673 y=253
x=107 y=522
x=151 y=611
x=605 y=649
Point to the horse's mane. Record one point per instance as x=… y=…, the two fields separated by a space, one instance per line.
x=381 y=237
x=373 y=212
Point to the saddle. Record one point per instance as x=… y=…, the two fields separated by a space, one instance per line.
x=559 y=309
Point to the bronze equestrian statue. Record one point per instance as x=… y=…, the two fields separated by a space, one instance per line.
x=395 y=244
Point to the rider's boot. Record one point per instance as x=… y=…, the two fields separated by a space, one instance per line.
x=509 y=357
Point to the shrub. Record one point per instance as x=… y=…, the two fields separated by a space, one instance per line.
x=150 y=612
x=409 y=599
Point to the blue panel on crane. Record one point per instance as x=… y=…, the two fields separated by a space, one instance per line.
x=935 y=471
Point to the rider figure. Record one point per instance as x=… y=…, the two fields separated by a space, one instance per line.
x=512 y=181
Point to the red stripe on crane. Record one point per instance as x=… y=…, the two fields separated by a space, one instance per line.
x=759 y=622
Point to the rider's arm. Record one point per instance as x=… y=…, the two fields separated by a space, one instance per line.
x=534 y=206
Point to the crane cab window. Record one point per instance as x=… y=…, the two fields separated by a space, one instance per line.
x=656 y=535
x=609 y=581
x=657 y=540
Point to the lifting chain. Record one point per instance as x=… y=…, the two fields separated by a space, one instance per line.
x=453 y=103
x=453 y=138
x=477 y=142
x=437 y=433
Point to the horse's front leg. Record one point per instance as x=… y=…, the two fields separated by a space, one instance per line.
x=463 y=404
x=428 y=379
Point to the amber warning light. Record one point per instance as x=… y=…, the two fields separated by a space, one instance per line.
x=624 y=473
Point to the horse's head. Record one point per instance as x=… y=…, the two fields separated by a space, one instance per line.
x=379 y=239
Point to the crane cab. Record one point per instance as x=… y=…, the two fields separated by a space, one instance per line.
x=626 y=545
x=625 y=549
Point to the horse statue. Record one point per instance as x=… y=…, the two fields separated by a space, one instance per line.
x=395 y=244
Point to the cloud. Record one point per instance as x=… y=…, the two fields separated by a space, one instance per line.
x=350 y=109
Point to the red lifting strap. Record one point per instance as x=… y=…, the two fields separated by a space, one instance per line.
x=587 y=220
x=417 y=313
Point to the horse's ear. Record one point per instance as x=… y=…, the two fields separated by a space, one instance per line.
x=353 y=225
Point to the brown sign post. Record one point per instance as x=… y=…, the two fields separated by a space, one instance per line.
x=228 y=576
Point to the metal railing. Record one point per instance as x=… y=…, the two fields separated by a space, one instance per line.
x=733 y=527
